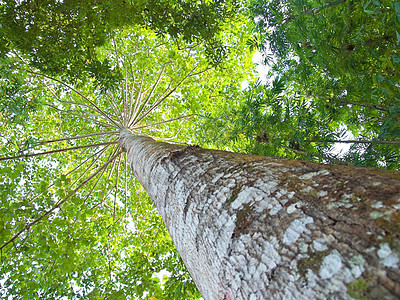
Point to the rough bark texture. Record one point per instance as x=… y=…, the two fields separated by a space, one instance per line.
x=254 y=227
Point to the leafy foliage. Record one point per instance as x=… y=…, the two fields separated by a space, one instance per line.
x=61 y=37
x=74 y=221
x=333 y=79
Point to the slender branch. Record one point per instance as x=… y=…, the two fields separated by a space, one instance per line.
x=78 y=137
x=98 y=179
x=58 y=150
x=116 y=187
x=125 y=93
x=90 y=166
x=73 y=170
x=101 y=201
x=58 y=204
x=152 y=90
x=71 y=102
x=115 y=107
x=132 y=110
x=125 y=185
x=139 y=111
x=80 y=94
x=112 y=167
x=76 y=113
x=173 y=90
x=124 y=90
x=83 y=105
x=132 y=89
x=355 y=142
x=163 y=122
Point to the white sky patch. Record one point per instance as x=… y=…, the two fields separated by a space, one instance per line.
x=130 y=226
x=262 y=70
x=341 y=148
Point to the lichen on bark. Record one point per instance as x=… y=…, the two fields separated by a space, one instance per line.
x=269 y=228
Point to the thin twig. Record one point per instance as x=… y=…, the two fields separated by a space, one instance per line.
x=116 y=187
x=73 y=170
x=78 y=137
x=132 y=110
x=110 y=100
x=163 y=122
x=134 y=114
x=98 y=179
x=80 y=94
x=58 y=150
x=169 y=93
x=75 y=113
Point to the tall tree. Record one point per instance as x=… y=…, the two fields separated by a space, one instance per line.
x=253 y=227
x=339 y=64
x=69 y=210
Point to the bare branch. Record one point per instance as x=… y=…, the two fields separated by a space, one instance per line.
x=116 y=187
x=110 y=100
x=78 y=137
x=163 y=122
x=134 y=114
x=132 y=110
x=170 y=92
x=80 y=94
x=98 y=179
x=125 y=185
x=76 y=113
x=58 y=150
x=73 y=170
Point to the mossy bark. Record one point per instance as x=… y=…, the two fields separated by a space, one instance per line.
x=254 y=227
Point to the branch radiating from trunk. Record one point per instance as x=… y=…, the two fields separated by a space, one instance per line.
x=58 y=204
x=254 y=227
x=57 y=151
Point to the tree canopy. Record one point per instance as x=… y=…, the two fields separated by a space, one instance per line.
x=333 y=79
x=70 y=209
x=61 y=37
x=74 y=222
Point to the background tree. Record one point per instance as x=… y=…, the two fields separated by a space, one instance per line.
x=69 y=211
x=333 y=72
x=61 y=37
x=256 y=227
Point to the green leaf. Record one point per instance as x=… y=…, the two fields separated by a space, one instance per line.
x=367 y=4
x=397 y=7
x=396 y=58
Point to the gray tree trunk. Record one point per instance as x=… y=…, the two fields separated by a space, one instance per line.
x=254 y=227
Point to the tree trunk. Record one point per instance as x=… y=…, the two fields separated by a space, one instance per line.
x=254 y=227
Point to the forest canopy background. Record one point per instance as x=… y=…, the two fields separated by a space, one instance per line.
x=333 y=79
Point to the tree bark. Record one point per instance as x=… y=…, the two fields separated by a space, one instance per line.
x=254 y=227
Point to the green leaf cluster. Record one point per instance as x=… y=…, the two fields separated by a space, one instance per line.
x=77 y=222
x=333 y=80
x=61 y=37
